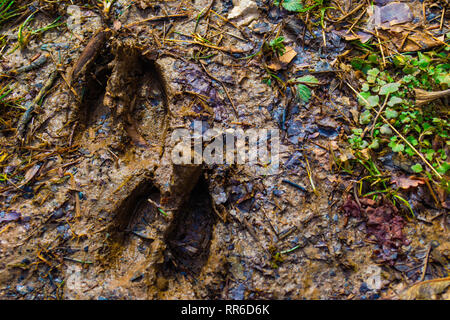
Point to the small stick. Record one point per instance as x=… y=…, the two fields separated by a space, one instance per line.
x=250 y=229
x=432 y=192
x=156 y=19
x=72 y=132
x=76 y=260
x=351 y=12
x=230 y=50
x=378 y=115
x=295 y=185
x=228 y=21
x=425 y=263
x=223 y=218
x=404 y=41
x=26 y=117
x=284 y=234
x=424 y=12
x=270 y=222
x=357 y=19
x=355 y=193
x=34 y=65
x=381 y=47
x=309 y=172
x=224 y=88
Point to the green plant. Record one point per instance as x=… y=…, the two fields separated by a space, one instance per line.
x=7 y=10
x=388 y=102
x=25 y=33
x=303 y=85
x=106 y=4
x=298 y=5
x=277 y=46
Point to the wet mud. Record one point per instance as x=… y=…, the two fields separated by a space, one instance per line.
x=108 y=215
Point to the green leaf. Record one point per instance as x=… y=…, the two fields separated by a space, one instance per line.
x=373 y=72
x=417 y=168
x=365 y=117
x=389 y=88
x=408 y=78
x=412 y=140
x=394 y=100
x=381 y=82
x=398 y=147
x=293 y=5
x=277 y=45
x=357 y=131
x=365 y=87
x=442 y=169
x=424 y=61
x=390 y=113
x=429 y=154
x=385 y=129
x=308 y=79
x=375 y=144
x=443 y=78
x=400 y=60
x=409 y=151
x=303 y=92
x=357 y=63
x=373 y=58
x=373 y=101
x=362 y=96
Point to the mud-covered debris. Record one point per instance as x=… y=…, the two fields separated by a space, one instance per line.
x=10 y=216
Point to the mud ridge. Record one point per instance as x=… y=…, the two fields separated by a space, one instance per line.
x=92 y=106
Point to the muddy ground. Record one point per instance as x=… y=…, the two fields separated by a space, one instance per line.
x=100 y=146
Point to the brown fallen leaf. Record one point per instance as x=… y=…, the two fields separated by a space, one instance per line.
x=29 y=175
x=407 y=182
x=284 y=60
x=399 y=27
x=358 y=35
x=419 y=41
x=288 y=55
x=426 y=290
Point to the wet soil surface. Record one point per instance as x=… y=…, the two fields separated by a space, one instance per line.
x=105 y=214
